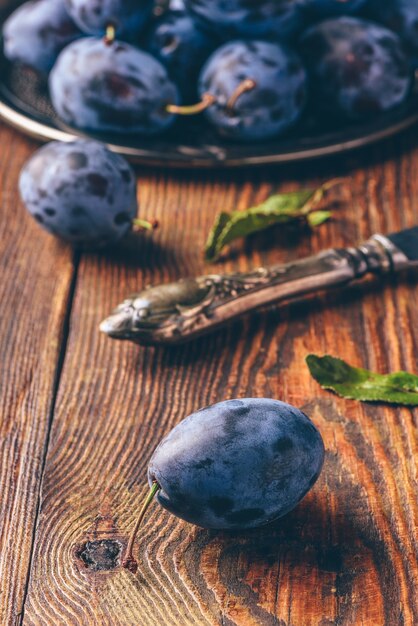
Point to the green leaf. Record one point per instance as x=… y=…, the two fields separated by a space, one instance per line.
x=316 y=218
x=214 y=235
x=296 y=206
x=360 y=384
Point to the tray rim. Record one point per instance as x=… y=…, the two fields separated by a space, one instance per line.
x=43 y=132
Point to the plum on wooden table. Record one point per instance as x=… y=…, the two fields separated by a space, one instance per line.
x=80 y=191
x=237 y=464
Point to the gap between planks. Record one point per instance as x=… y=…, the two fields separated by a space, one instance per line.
x=57 y=379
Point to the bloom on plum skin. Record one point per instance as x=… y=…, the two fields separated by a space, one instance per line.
x=357 y=68
x=80 y=192
x=36 y=32
x=111 y=87
x=128 y=17
x=329 y=8
x=265 y=19
x=237 y=464
x=274 y=104
x=182 y=47
x=401 y=16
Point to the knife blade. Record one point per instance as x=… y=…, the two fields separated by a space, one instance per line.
x=172 y=313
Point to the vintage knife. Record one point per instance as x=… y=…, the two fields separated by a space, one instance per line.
x=177 y=312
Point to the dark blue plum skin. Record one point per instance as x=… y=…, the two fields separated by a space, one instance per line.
x=36 y=32
x=182 y=47
x=401 y=16
x=357 y=68
x=237 y=464
x=272 y=107
x=80 y=191
x=233 y=19
x=118 y=88
x=328 y=8
x=127 y=16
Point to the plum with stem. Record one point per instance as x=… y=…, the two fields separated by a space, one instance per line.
x=107 y=85
x=128 y=17
x=234 y=465
x=259 y=89
x=81 y=192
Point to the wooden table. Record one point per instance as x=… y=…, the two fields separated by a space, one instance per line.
x=81 y=415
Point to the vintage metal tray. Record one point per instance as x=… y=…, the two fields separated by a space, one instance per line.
x=24 y=104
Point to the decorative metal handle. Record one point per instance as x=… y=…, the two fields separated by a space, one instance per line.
x=176 y=312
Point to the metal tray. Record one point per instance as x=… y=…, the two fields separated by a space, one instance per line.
x=191 y=143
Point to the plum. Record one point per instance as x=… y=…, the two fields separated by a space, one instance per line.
x=237 y=464
x=328 y=8
x=101 y=86
x=231 y=19
x=400 y=16
x=93 y=17
x=36 y=32
x=259 y=89
x=357 y=68
x=182 y=47
x=234 y=465
x=80 y=191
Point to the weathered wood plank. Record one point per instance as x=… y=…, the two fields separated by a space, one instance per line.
x=346 y=555
x=36 y=276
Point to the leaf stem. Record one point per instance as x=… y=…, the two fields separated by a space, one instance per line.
x=319 y=193
x=129 y=562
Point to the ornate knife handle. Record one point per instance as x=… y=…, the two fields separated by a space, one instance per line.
x=176 y=312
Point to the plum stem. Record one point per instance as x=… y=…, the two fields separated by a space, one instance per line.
x=247 y=85
x=161 y=7
x=139 y=225
x=192 y=109
x=129 y=562
x=110 y=34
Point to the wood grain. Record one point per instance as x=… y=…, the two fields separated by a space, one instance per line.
x=347 y=555
x=34 y=294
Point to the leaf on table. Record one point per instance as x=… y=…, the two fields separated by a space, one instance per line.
x=295 y=206
x=359 y=384
x=316 y=218
x=214 y=235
